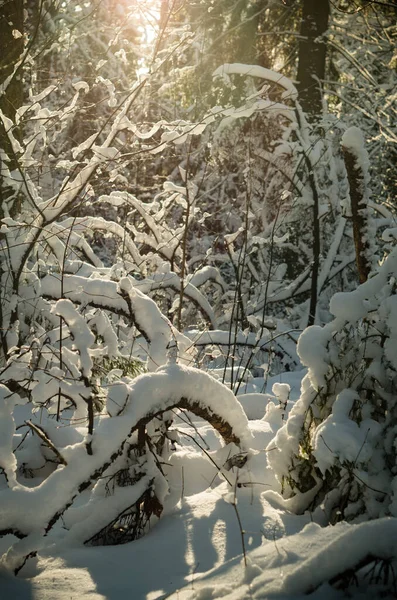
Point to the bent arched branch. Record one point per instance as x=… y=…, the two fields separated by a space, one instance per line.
x=150 y=395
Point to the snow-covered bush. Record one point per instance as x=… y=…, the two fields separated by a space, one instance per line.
x=337 y=450
x=75 y=333
x=115 y=454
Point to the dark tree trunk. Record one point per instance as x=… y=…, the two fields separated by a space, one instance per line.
x=359 y=210
x=312 y=54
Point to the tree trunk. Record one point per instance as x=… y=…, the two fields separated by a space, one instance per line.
x=359 y=209
x=312 y=54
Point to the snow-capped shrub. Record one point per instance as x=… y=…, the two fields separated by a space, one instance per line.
x=337 y=449
x=116 y=454
x=73 y=415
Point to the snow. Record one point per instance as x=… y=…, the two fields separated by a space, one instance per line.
x=321 y=560
x=353 y=140
x=87 y=520
x=7 y=430
x=168 y=385
x=149 y=394
x=81 y=85
x=312 y=350
x=105 y=152
x=82 y=336
x=205 y=274
x=255 y=404
x=172 y=280
x=84 y=145
x=224 y=338
x=39 y=97
x=223 y=461
x=193 y=538
x=339 y=438
x=287 y=555
x=139 y=308
x=290 y=91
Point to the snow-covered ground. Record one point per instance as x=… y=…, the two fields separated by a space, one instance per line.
x=214 y=543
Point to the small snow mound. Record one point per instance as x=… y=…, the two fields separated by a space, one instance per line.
x=255 y=404
x=347 y=306
x=353 y=139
